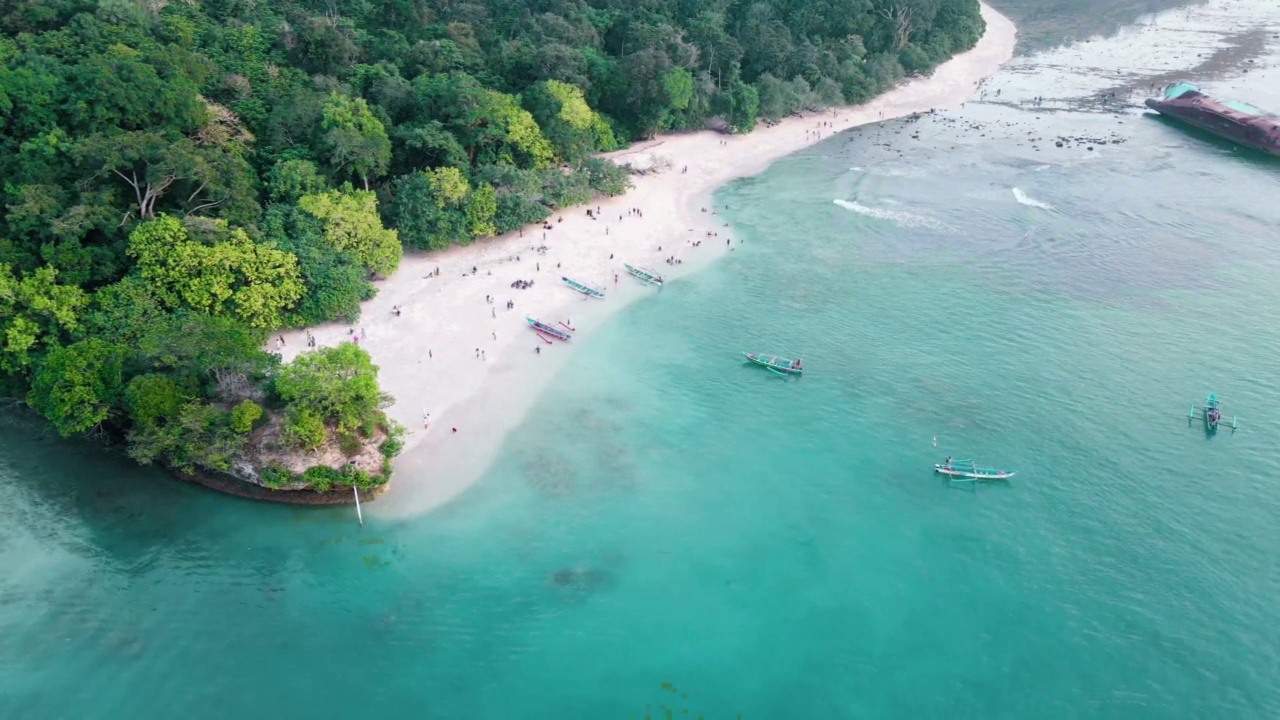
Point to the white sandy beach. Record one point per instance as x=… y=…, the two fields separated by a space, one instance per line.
x=427 y=354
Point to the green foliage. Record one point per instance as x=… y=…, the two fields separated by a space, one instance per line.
x=354 y=140
x=391 y=447
x=303 y=429
x=244 y=415
x=339 y=385
x=74 y=387
x=336 y=282
x=350 y=444
x=274 y=475
x=569 y=123
x=153 y=398
x=36 y=313
x=202 y=348
x=352 y=225
x=199 y=436
x=289 y=180
x=605 y=177
x=322 y=478
x=255 y=283
x=436 y=208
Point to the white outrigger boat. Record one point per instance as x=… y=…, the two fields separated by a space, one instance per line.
x=965 y=470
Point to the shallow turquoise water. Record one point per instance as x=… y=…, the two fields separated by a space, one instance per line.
x=674 y=531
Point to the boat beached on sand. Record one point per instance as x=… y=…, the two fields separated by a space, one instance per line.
x=548 y=331
x=585 y=289
x=966 y=471
x=781 y=366
x=649 y=277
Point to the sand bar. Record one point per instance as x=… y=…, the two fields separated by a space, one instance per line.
x=428 y=352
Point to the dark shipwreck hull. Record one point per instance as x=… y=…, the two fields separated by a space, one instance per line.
x=1234 y=121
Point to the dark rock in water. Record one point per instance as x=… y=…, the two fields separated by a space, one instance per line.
x=579 y=580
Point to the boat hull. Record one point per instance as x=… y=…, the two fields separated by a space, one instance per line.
x=584 y=288
x=545 y=329
x=1259 y=132
x=974 y=474
x=785 y=368
x=647 y=276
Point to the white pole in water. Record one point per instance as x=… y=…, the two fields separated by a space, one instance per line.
x=359 y=514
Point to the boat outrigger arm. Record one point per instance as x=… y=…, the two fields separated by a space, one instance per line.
x=1211 y=413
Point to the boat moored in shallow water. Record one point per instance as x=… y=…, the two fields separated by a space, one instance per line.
x=649 y=277
x=966 y=471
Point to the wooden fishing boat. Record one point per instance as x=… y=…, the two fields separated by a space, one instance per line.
x=649 y=277
x=781 y=366
x=584 y=288
x=548 y=330
x=1211 y=413
x=966 y=471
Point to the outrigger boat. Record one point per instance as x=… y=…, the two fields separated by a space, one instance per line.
x=548 y=331
x=966 y=471
x=1211 y=413
x=649 y=277
x=584 y=288
x=781 y=366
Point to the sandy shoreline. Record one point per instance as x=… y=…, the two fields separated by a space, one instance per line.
x=427 y=354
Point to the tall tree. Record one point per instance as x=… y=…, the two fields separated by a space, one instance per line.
x=351 y=224
x=257 y=284
x=354 y=138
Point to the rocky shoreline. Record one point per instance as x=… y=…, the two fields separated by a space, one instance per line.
x=339 y=495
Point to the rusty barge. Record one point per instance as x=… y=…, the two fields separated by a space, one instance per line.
x=1231 y=120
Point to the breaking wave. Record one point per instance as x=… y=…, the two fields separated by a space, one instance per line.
x=1029 y=201
x=897 y=217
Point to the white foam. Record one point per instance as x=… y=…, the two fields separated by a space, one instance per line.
x=1029 y=201
x=897 y=217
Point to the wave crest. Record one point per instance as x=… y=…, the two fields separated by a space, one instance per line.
x=897 y=217
x=1025 y=199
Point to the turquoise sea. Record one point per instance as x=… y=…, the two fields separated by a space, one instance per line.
x=673 y=534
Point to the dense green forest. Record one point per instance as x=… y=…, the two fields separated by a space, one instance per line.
x=183 y=176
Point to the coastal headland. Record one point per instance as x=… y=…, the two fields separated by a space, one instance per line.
x=454 y=356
